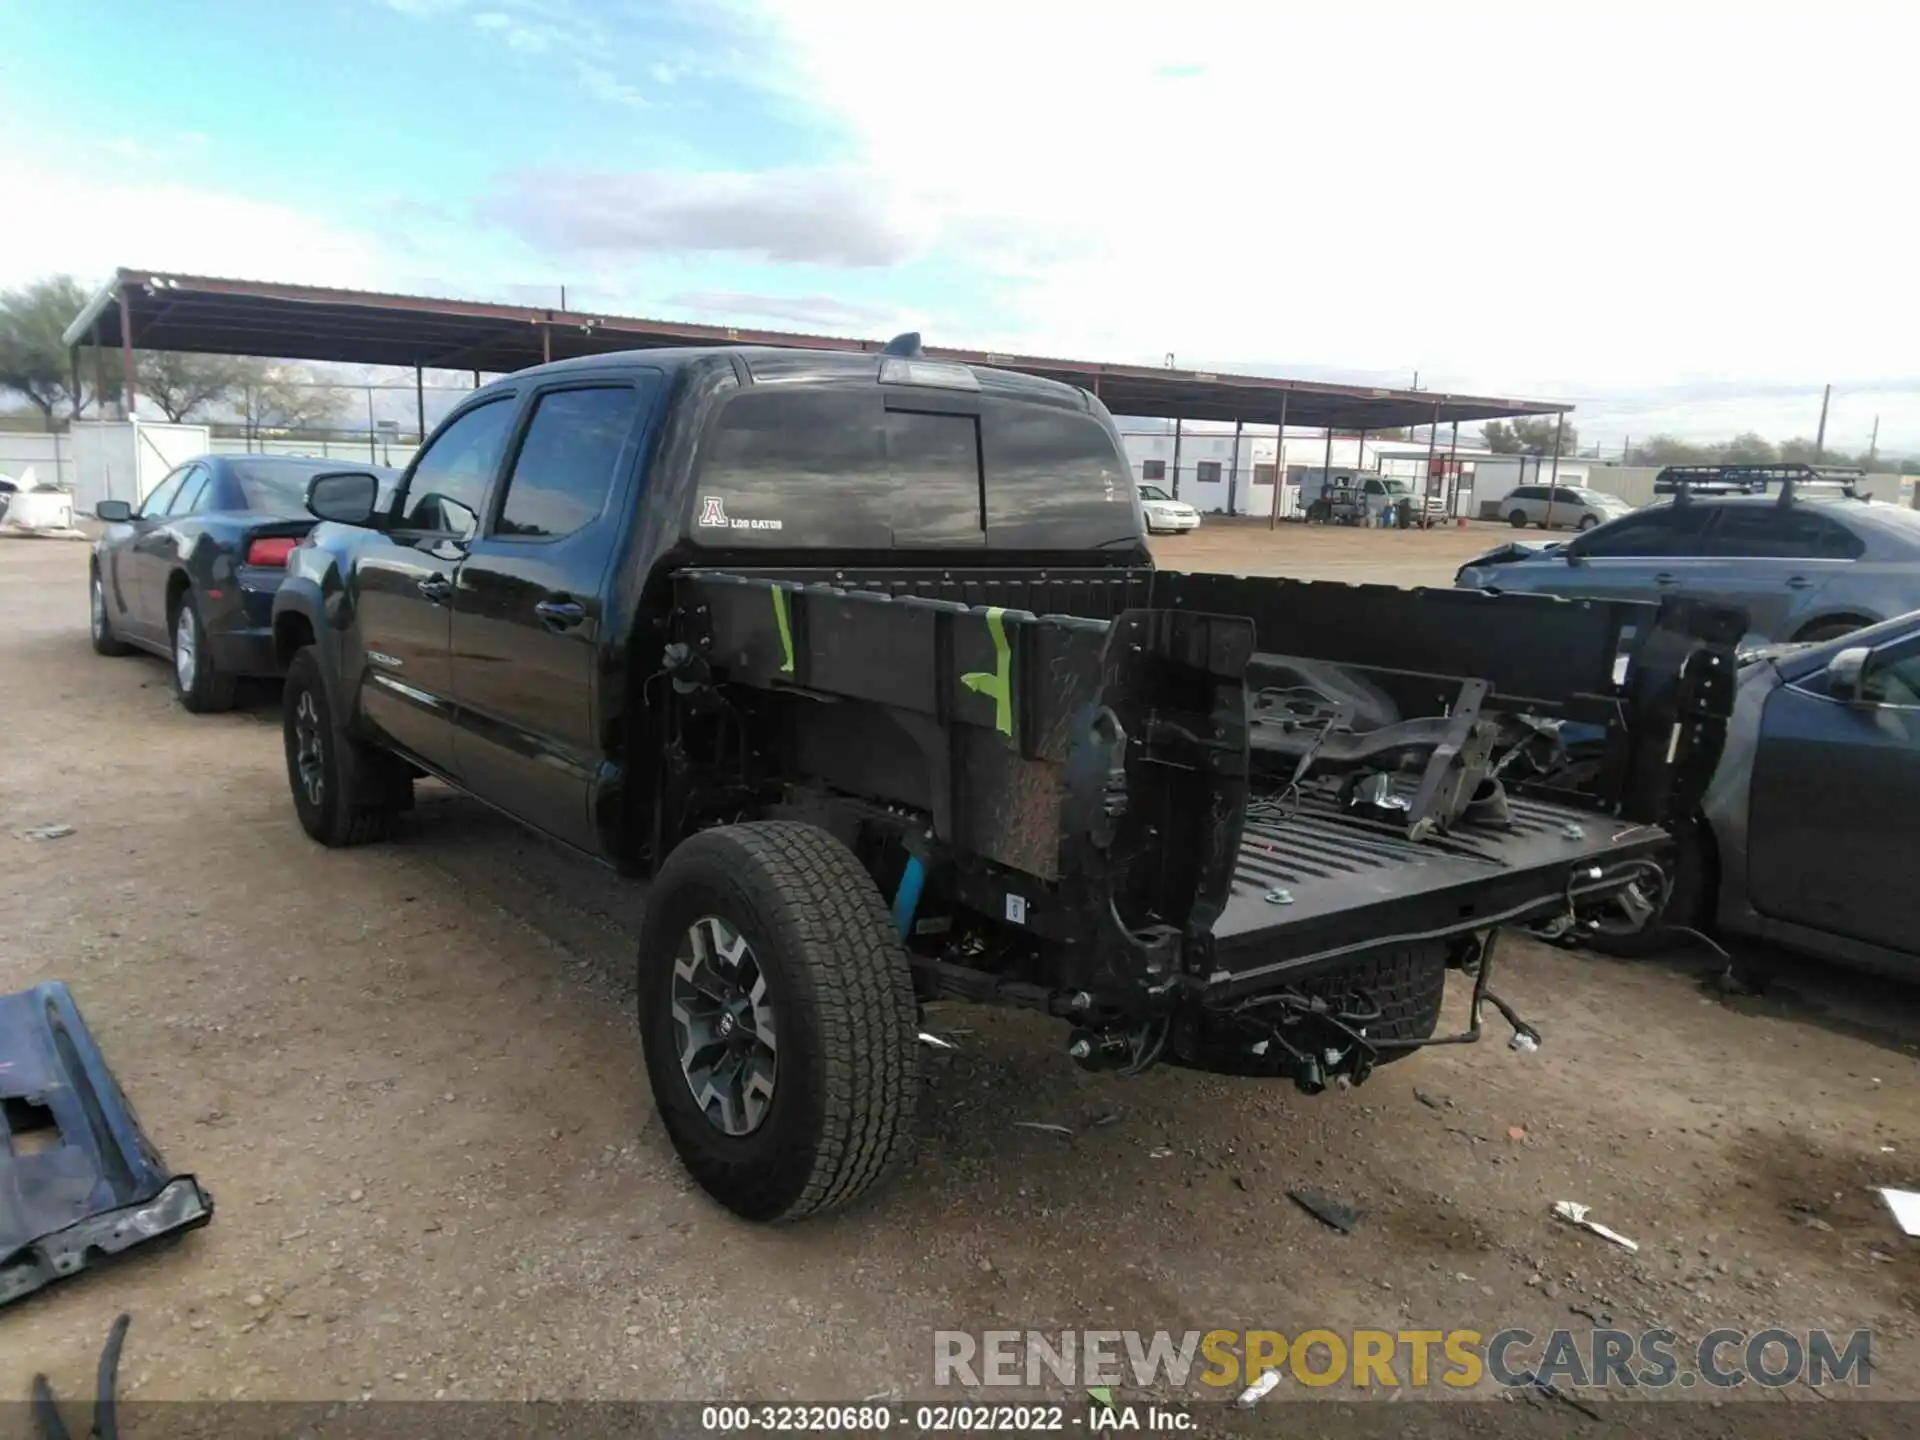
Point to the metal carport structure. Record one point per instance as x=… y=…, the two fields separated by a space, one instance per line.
x=159 y=310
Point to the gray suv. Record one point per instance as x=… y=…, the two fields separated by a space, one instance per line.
x=1804 y=568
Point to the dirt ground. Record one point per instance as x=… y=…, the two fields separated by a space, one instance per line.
x=410 y=1076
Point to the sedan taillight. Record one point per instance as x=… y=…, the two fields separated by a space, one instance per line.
x=271 y=550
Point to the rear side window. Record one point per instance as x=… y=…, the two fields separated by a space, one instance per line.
x=1670 y=530
x=568 y=461
x=449 y=480
x=1782 y=532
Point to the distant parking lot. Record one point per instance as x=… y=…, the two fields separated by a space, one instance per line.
x=410 y=1075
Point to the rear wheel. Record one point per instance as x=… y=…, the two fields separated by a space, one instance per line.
x=105 y=642
x=1518 y=519
x=778 y=1018
x=345 y=793
x=201 y=685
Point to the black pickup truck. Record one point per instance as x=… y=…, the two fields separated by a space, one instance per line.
x=863 y=659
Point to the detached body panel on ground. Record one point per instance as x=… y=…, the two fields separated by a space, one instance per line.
x=775 y=627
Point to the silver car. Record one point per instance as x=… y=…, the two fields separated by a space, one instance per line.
x=1805 y=569
x=1560 y=507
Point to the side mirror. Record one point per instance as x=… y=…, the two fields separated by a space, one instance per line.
x=113 y=511
x=1844 y=672
x=347 y=498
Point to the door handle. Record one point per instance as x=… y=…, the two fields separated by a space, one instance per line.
x=560 y=613
x=1664 y=578
x=435 y=587
x=1799 y=582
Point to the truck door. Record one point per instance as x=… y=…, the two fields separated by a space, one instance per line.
x=527 y=620
x=1836 y=788
x=403 y=582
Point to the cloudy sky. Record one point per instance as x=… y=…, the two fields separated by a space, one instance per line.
x=1683 y=217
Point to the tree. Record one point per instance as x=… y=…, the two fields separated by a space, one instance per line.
x=286 y=397
x=1528 y=437
x=1749 y=449
x=33 y=357
x=1667 y=450
x=179 y=384
x=1799 y=449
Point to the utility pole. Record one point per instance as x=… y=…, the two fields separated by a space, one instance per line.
x=1820 y=439
x=1873 y=445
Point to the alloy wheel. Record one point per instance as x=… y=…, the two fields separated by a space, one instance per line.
x=185 y=635
x=723 y=1022
x=307 y=753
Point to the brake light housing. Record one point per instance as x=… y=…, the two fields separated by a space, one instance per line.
x=271 y=551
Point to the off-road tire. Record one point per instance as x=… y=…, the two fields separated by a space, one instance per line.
x=1518 y=519
x=100 y=623
x=211 y=689
x=841 y=1119
x=362 y=790
x=1407 y=983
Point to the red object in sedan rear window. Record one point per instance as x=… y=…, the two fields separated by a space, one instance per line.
x=271 y=550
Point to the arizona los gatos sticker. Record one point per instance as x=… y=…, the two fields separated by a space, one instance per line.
x=713 y=516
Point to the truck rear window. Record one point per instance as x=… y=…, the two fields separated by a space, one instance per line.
x=863 y=468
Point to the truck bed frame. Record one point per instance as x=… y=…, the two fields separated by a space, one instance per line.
x=1059 y=776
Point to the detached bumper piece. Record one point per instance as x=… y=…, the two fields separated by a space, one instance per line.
x=79 y=1180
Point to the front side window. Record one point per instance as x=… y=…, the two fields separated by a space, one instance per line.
x=568 y=461
x=1153 y=492
x=161 y=496
x=192 y=496
x=1668 y=531
x=450 y=478
x=1893 y=679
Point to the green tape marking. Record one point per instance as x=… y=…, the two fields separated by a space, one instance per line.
x=786 y=628
x=999 y=684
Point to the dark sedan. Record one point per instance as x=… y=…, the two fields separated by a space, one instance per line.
x=189 y=574
x=1807 y=836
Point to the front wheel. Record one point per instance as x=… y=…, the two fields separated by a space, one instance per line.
x=1518 y=519
x=343 y=792
x=1587 y=522
x=778 y=1019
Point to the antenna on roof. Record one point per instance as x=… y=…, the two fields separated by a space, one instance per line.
x=906 y=346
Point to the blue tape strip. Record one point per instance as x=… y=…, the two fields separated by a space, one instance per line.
x=906 y=900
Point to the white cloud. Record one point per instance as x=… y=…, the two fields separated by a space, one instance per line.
x=1556 y=197
x=77 y=221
